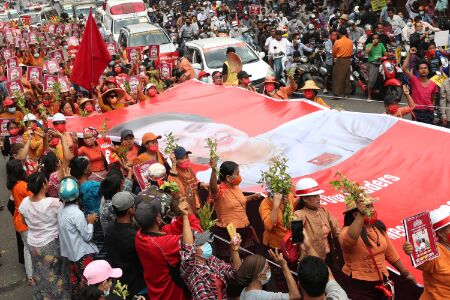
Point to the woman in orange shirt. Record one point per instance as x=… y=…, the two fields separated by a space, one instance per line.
x=230 y=206
x=94 y=153
x=436 y=272
x=16 y=182
x=364 y=241
x=149 y=150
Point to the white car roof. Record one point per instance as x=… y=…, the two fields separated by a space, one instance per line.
x=142 y=27
x=215 y=42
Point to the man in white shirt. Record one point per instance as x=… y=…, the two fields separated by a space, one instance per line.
x=278 y=48
x=407 y=31
x=397 y=24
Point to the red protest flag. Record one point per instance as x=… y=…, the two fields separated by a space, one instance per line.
x=92 y=57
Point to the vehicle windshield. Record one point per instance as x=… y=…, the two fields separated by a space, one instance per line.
x=13 y=15
x=217 y=56
x=35 y=18
x=4 y=18
x=69 y=11
x=118 y=24
x=83 y=10
x=154 y=37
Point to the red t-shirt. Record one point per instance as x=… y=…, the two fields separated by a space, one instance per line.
x=176 y=227
x=422 y=94
x=150 y=250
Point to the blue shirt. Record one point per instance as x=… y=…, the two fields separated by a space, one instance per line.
x=75 y=234
x=90 y=197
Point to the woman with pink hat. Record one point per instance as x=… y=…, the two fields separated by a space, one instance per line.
x=99 y=276
x=436 y=272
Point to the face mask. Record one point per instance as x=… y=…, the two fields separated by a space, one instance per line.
x=60 y=127
x=236 y=180
x=393 y=108
x=11 y=109
x=33 y=126
x=265 y=281
x=309 y=94
x=152 y=92
x=270 y=87
x=421 y=12
x=53 y=142
x=66 y=46
x=368 y=32
x=153 y=147
x=431 y=52
x=36 y=55
x=206 y=251
x=89 y=108
x=14 y=131
x=372 y=219
x=46 y=102
x=204 y=79
x=246 y=81
x=117 y=70
x=311 y=31
x=185 y=165
x=409 y=25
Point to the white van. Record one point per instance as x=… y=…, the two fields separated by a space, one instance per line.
x=120 y=14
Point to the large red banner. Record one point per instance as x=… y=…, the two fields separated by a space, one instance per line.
x=400 y=162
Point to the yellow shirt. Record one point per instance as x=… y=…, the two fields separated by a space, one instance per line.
x=436 y=276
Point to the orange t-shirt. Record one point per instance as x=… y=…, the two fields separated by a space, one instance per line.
x=358 y=261
x=436 y=276
x=343 y=48
x=273 y=232
x=132 y=154
x=19 y=192
x=230 y=206
x=95 y=157
x=145 y=157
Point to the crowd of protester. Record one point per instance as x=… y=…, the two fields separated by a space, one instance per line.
x=86 y=229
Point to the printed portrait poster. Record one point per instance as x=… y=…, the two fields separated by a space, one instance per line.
x=49 y=81
x=65 y=84
x=3 y=127
x=255 y=9
x=106 y=147
x=169 y=57
x=112 y=48
x=121 y=80
x=32 y=38
x=140 y=171
x=26 y=20
x=68 y=29
x=34 y=74
x=14 y=74
x=134 y=83
x=57 y=55
x=23 y=45
x=51 y=28
x=9 y=35
x=7 y=54
x=13 y=62
x=14 y=86
x=17 y=41
x=2 y=25
x=420 y=233
x=52 y=66
x=59 y=30
x=153 y=52
x=72 y=41
x=75 y=27
x=165 y=70
x=76 y=33
x=133 y=53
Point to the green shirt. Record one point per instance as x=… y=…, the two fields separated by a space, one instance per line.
x=376 y=53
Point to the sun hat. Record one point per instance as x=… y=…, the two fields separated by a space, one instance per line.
x=150 y=136
x=270 y=79
x=310 y=85
x=440 y=217
x=307 y=187
x=98 y=271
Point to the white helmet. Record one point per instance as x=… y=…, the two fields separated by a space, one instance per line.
x=307 y=187
x=29 y=117
x=440 y=217
x=234 y=23
x=58 y=117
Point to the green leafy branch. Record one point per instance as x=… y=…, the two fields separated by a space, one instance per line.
x=211 y=144
x=170 y=186
x=205 y=214
x=127 y=87
x=171 y=143
x=121 y=290
x=56 y=92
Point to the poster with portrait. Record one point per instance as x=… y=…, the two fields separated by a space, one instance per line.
x=57 y=55
x=255 y=9
x=23 y=46
x=72 y=41
x=165 y=70
x=13 y=62
x=153 y=52
x=52 y=66
x=9 y=35
x=34 y=74
x=13 y=87
x=51 y=28
x=168 y=57
x=106 y=147
x=133 y=54
x=134 y=84
x=7 y=53
x=140 y=172
x=17 y=41
x=59 y=29
x=3 y=127
x=68 y=29
x=49 y=81
x=32 y=38
x=26 y=20
x=120 y=79
x=419 y=232
x=14 y=74
x=65 y=84
x=2 y=26
x=112 y=48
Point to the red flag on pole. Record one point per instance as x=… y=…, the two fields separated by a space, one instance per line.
x=92 y=57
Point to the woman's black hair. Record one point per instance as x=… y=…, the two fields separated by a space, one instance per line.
x=36 y=181
x=300 y=204
x=14 y=173
x=90 y=292
x=50 y=163
x=110 y=186
x=11 y=122
x=349 y=218
x=78 y=165
x=227 y=168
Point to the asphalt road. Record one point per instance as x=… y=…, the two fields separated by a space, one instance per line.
x=12 y=275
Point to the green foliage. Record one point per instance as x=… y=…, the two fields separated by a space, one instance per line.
x=56 y=92
x=21 y=102
x=127 y=87
x=205 y=214
x=211 y=144
x=171 y=186
x=121 y=290
x=171 y=143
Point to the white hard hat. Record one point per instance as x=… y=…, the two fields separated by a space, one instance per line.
x=307 y=187
x=58 y=117
x=29 y=117
x=150 y=10
x=440 y=217
x=156 y=170
x=234 y=23
x=311 y=26
x=356 y=9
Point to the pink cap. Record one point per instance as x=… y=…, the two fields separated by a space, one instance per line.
x=100 y=270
